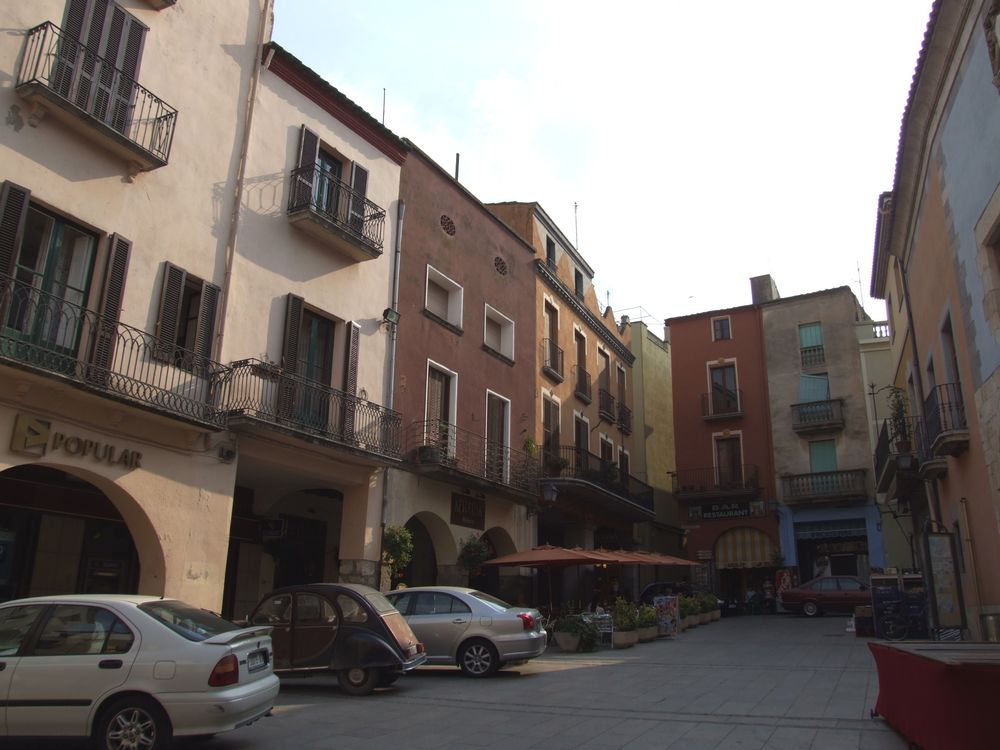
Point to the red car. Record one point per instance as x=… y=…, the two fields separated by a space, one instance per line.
x=826 y=594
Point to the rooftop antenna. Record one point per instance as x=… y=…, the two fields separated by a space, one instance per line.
x=457 y=155
x=576 y=229
x=861 y=288
x=383 y=106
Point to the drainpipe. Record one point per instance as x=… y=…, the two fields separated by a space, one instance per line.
x=391 y=375
x=234 y=218
x=972 y=556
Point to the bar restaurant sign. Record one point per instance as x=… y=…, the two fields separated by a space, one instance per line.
x=468 y=511
x=34 y=436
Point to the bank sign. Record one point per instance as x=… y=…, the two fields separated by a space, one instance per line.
x=34 y=436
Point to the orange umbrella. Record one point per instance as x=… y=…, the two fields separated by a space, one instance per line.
x=544 y=556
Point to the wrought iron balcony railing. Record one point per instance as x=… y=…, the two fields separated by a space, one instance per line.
x=722 y=404
x=552 y=360
x=945 y=421
x=263 y=391
x=128 y=118
x=825 y=485
x=445 y=446
x=624 y=418
x=605 y=404
x=581 y=384
x=42 y=332
x=713 y=480
x=571 y=462
x=899 y=444
x=816 y=416
x=338 y=210
x=813 y=356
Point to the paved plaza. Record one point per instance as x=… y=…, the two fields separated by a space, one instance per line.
x=759 y=683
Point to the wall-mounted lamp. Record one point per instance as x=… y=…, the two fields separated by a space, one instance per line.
x=549 y=494
x=390 y=317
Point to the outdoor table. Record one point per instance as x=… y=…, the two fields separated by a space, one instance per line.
x=940 y=695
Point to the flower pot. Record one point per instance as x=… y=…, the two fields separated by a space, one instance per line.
x=716 y=614
x=704 y=618
x=690 y=621
x=624 y=638
x=566 y=641
x=648 y=634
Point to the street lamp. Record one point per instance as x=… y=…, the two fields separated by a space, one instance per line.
x=549 y=494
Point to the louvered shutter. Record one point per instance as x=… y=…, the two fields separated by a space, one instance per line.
x=74 y=23
x=14 y=201
x=111 y=305
x=359 y=184
x=305 y=173
x=290 y=356
x=168 y=319
x=351 y=349
x=206 y=326
x=127 y=57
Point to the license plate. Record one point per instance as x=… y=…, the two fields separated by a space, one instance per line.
x=257 y=660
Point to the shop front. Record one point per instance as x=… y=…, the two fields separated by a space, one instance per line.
x=832 y=541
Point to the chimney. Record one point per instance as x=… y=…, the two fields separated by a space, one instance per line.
x=763 y=289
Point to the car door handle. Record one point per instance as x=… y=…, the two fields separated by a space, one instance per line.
x=109 y=664
x=459 y=620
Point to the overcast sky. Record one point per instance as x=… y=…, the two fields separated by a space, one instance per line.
x=704 y=142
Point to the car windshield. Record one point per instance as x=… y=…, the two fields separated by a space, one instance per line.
x=498 y=604
x=382 y=605
x=190 y=622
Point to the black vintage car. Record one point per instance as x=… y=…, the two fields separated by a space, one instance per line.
x=344 y=628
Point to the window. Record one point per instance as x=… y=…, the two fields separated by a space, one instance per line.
x=440 y=407
x=551 y=438
x=822 y=456
x=313 y=609
x=186 y=322
x=725 y=395
x=444 y=298
x=435 y=603
x=814 y=388
x=550 y=252
x=275 y=611
x=578 y=282
x=77 y=629
x=729 y=462
x=497 y=436
x=552 y=355
x=581 y=377
x=352 y=609
x=607 y=451
x=15 y=624
x=811 y=345
x=498 y=333
x=624 y=467
x=720 y=329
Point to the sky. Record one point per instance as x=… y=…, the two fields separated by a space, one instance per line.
x=684 y=147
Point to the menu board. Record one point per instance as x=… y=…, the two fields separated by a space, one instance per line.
x=666 y=612
x=946 y=592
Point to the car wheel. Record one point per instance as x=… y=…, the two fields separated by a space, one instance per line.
x=358 y=681
x=133 y=722
x=810 y=609
x=478 y=658
x=387 y=678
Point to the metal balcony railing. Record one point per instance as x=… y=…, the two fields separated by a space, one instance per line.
x=718 y=404
x=605 y=404
x=813 y=356
x=71 y=74
x=624 y=418
x=570 y=462
x=264 y=392
x=825 y=485
x=581 y=384
x=713 y=480
x=945 y=421
x=324 y=194
x=818 y=415
x=42 y=332
x=552 y=359
x=446 y=446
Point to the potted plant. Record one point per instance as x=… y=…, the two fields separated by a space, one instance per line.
x=688 y=612
x=897 y=421
x=709 y=606
x=623 y=617
x=472 y=553
x=574 y=633
x=555 y=465
x=397 y=551
x=648 y=623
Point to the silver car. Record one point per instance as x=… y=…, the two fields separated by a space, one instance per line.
x=476 y=631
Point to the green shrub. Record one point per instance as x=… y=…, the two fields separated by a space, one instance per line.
x=623 y=615
x=708 y=601
x=647 y=617
x=576 y=625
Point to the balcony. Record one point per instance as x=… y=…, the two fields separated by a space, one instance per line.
x=259 y=394
x=581 y=384
x=895 y=457
x=812 y=356
x=48 y=335
x=334 y=213
x=818 y=416
x=929 y=465
x=605 y=404
x=624 y=419
x=63 y=77
x=841 y=487
x=711 y=482
x=581 y=476
x=722 y=405
x=944 y=420
x=552 y=360
x=464 y=458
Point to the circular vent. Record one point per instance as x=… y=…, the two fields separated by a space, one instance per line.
x=501 y=265
x=448 y=225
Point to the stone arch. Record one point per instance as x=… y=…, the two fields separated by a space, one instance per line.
x=501 y=540
x=433 y=547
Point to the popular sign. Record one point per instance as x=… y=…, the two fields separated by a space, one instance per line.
x=34 y=436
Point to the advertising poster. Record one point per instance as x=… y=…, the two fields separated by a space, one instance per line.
x=946 y=589
x=666 y=611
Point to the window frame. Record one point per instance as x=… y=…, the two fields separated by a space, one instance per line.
x=507 y=331
x=716 y=333
x=456 y=297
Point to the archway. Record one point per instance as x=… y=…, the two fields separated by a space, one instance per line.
x=491 y=577
x=433 y=546
x=744 y=559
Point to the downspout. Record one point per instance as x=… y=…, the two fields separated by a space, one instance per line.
x=972 y=556
x=391 y=376
x=234 y=218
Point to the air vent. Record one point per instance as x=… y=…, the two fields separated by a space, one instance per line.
x=448 y=225
x=501 y=265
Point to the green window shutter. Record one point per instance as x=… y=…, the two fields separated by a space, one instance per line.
x=120 y=249
x=14 y=201
x=822 y=456
x=810 y=335
x=814 y=388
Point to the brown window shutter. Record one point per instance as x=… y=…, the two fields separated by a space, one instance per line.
x=351 y=349
x=111 y=306
x=206 y=322
x=359 y=183
x=168 y=318
x=125 y=52
x=302 y=185
x=290 y=355
x=14 y=201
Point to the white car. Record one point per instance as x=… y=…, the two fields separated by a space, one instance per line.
x=129 y=671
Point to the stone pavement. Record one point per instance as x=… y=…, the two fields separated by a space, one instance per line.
x=760 y=683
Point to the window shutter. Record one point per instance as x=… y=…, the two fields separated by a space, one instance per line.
x=169 y=316
x=290 y=355
x=74 y=23
x=351 y=349
x=111 y=306
x=14 y=201
x=126 y=54
x=359 y=183
x=206 y=323
x=305 y=174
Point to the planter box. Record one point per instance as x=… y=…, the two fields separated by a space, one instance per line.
x=566 y=641
x=624 y=638
x=648 y=634
x=716 y=614
x=691 y=621
x=704 y=618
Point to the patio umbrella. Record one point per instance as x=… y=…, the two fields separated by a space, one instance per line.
x=546 y=556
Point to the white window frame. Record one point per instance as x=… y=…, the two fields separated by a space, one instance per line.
x=506 y=331
x=455 y=291
x=452 y=401
x=506 y=435
x=722 y=317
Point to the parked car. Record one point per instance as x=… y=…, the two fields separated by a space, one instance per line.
x=468 y=628
x=129 y=671
x=826 y=594
x=344 y=628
